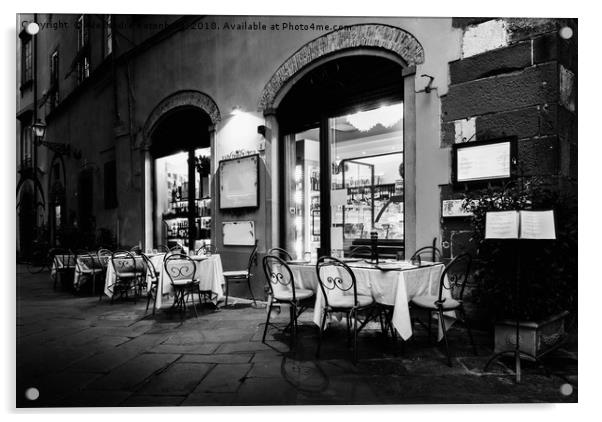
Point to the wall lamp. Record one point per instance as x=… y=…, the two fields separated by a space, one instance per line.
x=39 y=132
x=428 y=88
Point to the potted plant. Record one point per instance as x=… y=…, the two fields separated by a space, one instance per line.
x=548 y=269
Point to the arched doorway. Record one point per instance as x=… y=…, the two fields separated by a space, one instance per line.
x=180 y=150
x=343 y=106
x=342 y=149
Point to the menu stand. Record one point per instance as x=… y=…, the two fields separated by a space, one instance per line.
x=518 y=225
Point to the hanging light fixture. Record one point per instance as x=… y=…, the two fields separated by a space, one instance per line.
x=386 y=116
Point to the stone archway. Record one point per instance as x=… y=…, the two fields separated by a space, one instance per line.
x=385 y=41
x=362 y=36
x=186 y=98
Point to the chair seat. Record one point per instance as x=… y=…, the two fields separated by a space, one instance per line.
x=300 y=294
x=128 y=275
x=91 y=270
x=236 y=274
x=346 y=301
x=184 y=282
x=428 y=302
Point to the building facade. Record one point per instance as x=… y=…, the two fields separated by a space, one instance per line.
x=351 y=122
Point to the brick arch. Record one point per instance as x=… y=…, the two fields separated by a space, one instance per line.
x=180 y=99
x=362 y=36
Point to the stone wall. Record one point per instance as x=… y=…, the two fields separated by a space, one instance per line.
x=516 y=77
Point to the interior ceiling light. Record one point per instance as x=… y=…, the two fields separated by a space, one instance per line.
x=386 y=116
x=236 y=110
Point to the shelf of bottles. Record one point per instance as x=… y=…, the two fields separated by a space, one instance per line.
x=176 y=216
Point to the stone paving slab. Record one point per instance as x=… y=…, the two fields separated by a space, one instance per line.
x=179 y=379
x=133 y=372
x=224 y=378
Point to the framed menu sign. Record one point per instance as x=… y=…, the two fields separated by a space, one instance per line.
x=479 y=161
x=239 y=182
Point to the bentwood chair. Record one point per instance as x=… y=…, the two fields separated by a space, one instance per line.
x=427 y=253
x=239 y=276
x=282 y=253
x=89 y=266
x=181 y=270
x=453 y=278
x=151 y=290
x=282 y=290
x=136 y=250
x=64 y=266
x=162 y=248
x=127 y=273
x=339 y=289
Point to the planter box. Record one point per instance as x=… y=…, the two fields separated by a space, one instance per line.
x=535 y=338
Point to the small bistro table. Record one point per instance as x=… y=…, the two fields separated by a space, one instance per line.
x=394 y=285
x=209 y=273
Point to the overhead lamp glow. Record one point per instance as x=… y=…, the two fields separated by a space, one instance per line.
x=386 y=116
x=236 y=110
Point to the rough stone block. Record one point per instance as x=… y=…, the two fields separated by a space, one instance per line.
x=501 y=60
x=464 y=22
x=523 y=123
x=538 y=156
x=523 y=28
x=448 y=134
x=485 y=36
x=532 y=86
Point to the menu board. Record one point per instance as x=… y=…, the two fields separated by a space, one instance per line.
x=501 y=225
x=239 y=178
x=238 y=233
x=520 y=225
x=537 y=225
x=478 y=162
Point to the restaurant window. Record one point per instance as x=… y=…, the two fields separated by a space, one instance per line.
x=367 y=178
x=110 y=184
x=26 y=60
x=107 y=38
x=83 y=54
x=53 y=92
x=343 y=172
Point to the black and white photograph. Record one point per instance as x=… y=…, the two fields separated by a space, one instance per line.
x=295 y=210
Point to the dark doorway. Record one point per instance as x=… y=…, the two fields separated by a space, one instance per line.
x=181 y=152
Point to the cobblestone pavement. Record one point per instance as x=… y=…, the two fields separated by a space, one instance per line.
x=78 y=352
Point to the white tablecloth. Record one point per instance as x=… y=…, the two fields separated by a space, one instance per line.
x=209 y=273
x=393 y=287
x=140 y=266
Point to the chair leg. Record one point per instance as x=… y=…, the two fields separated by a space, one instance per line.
x=349 y=329
x=191 y=295
x=354 y=337
x=227 y=290
x=267 y=322
x=474 y=348
x=320 y=335
x=154 y=301
x=293 y=312
x=442 y=321
x=251 y=291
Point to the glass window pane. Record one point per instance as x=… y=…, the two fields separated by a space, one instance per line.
x=367 y=179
